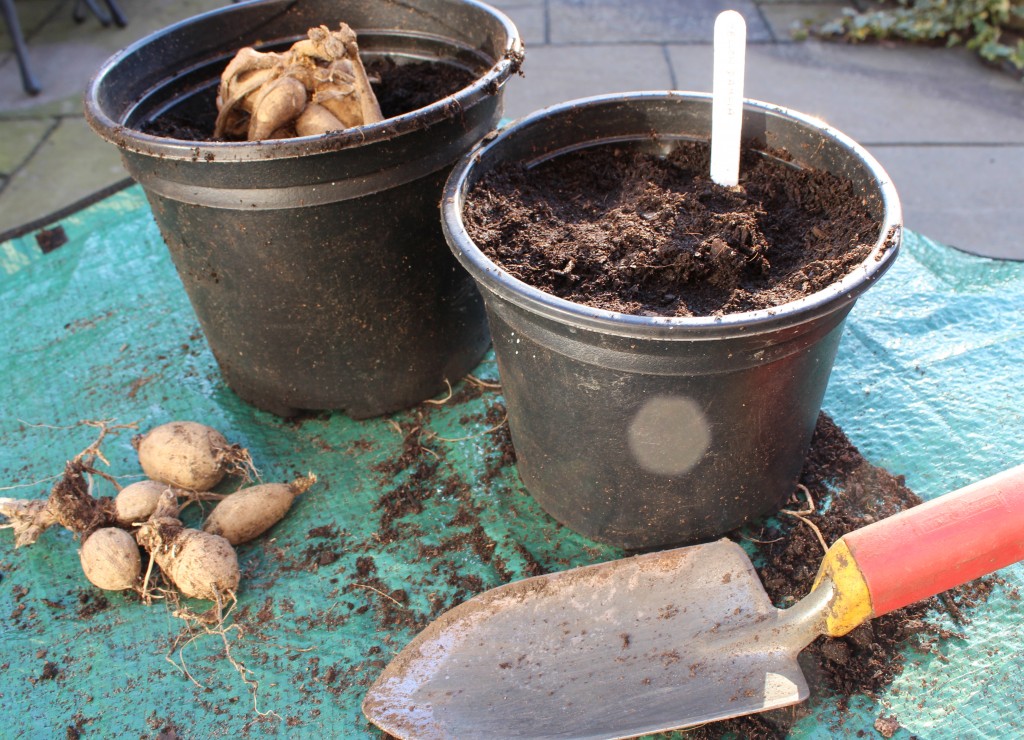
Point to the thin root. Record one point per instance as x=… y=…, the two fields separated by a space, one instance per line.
x=105 y=426
x=214 y=622
x=473 y=380
x=496 y=427
x=33 y=484
x=237 y=461
x=389 y=597
x=194 y=497
x=443 y=401
x=761 y=542
x=144 y=591
x=803 y=513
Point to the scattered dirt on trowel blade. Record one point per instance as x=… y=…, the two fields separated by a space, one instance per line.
x=848 y=493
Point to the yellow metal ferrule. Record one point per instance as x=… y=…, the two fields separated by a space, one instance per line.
x=851 y=602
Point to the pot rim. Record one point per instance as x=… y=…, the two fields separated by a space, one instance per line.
x=165 y=147
x=503 y=284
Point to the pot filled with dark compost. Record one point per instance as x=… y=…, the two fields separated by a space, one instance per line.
x=316 y=265
x=664 y=343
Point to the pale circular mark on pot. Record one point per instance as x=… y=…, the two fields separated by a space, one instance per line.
x=669 y=435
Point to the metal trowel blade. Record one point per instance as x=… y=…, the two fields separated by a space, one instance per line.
x=644 y=644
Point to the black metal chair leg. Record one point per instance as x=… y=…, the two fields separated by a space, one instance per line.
x=28 y=80
x=101 y=16
x=117 y=14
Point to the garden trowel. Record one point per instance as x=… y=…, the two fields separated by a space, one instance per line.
x=672 y=639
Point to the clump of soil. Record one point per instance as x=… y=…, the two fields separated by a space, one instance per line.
x=51 y=239
x=849 y=493
x=399 y=89
x=503 y=454
x=625 y=230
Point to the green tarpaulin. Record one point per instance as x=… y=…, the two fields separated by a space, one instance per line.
x=927 y=384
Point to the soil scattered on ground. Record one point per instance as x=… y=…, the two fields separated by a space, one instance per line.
x=51 y=239
x=625 y=230
x=848 y=493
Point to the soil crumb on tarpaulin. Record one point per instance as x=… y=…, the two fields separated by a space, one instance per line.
x=634 y=232
x=851 y=493
x=848 y=493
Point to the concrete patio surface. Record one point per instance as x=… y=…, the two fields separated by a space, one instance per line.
x=949 y=129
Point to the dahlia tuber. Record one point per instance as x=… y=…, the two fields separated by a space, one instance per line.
x=189 y=455
x=318 y=85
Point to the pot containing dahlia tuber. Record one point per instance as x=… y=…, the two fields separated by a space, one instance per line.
x=664 y=343
x=294 y=154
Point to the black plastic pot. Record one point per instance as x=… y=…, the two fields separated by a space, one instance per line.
x=646 y=432
x=316 y=266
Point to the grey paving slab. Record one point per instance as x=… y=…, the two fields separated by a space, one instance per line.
x=785 y=18
x=876 y=94
x=506 y=6
x=144 y=17
x=17 y=141
x=72 y=163
x=605 y=21
x=62 y=68
x=964 y=196
x=31 y=17
x=530 y=18
x=556 y=74
x=65 y=54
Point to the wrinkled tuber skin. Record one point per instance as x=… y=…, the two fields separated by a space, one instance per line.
x=246 y=514
x=135 y=503
x=200 y=565
x=110 y=559
x=318 y=85
x=189 y=455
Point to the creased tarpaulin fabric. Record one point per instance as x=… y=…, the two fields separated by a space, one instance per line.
x=927 y=384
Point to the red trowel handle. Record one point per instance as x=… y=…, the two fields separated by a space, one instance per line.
x=942 y=543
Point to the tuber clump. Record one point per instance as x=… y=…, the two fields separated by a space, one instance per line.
x=189 y=455
x=110 y=559
x=318 y=85
x=146 y=515
x=183 y=460
x=246 y=514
